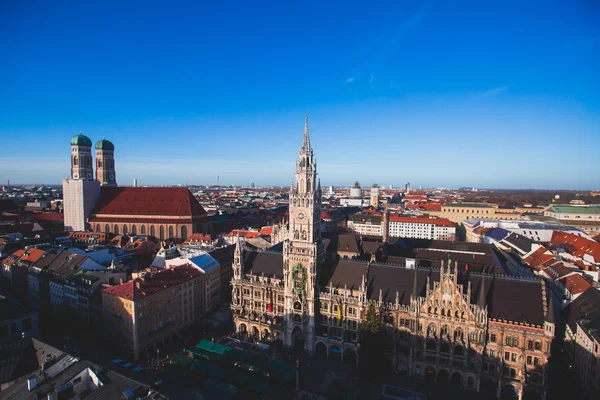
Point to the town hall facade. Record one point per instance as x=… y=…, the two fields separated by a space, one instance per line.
x=486 y=333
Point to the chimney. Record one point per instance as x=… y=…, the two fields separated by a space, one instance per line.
x=31 y=383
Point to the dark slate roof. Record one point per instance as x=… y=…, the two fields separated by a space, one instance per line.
x=363 y=218
x=348 y=242
x=349 y=273
x=66 y=263
x=267 y=263
x=224 y=255
x=519 y=241
x=390 y=279
x=24 y=356
x=498 y=234
x=370 y=244
x=510 y=299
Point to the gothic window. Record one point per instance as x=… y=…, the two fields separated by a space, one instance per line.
x=184 y=233
x=431 y=330
x=116 y=229
x=537 y=346
x=458 y=334
x=445 y=331
x=124 y=228
x=161 y=232
x=106 y=228
x=152 y=231
x=143 y=229
x=170 y=232
x=97 y=227
x=75 y=161
x=297 y=306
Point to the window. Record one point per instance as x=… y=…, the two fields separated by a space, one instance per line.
x=184 y=233
x=529 y=358
x=170 y=232
x=161 y=232
x=537 y=346
x=513 y=357
x=507 y=356
x=536 y=361
x=143 y=229
x=152 y=231
x=116 y=229
x=493 y=338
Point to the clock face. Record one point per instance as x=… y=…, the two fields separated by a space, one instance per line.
x=300 y=216
x=111 y=177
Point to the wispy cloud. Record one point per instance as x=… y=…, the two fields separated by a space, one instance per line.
x=350 y=80
x=488 y=94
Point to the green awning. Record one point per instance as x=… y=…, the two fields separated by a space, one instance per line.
x=205 y=345
x=220 y=349
x=181 y=359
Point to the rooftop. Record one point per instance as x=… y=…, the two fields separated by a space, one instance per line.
x=575 y=209
x=152 y=283
x=480 y=205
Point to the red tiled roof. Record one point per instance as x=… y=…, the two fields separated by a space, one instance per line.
x=372 y=212
x=169 y=201
x=539 y=257
x=266 y=230
x=575 y=283
x=419 y=220
x=576 y=245
x=11 y=259
x=199 y=237
x=32 y=255
x=242 y=233
x=153 y=283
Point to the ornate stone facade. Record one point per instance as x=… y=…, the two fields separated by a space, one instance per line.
x=482 y=332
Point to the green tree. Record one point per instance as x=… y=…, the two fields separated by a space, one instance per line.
x=371 y=348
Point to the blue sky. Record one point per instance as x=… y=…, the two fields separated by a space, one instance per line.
x=505 y=94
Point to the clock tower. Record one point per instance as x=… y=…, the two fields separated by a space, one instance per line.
x=303 y=251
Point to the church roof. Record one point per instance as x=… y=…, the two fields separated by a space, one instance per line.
x=147 y=201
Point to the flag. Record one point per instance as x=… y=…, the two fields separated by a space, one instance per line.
x=339 y=313
x=467 y=267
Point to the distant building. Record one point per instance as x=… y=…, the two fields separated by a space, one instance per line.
x=539 y=231
x=403 y=227
x=458 y=212
x=586 y=218
x=365 y=224
x=374 y=199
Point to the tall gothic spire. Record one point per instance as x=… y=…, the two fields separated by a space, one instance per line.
x=414 y=290
x=481 y=301
x=306 y=143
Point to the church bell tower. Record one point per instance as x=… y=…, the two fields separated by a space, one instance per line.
x=302 y=250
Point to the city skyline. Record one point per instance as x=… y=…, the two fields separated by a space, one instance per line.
x=394 y=95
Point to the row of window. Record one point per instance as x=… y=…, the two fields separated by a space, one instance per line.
x=161 y=230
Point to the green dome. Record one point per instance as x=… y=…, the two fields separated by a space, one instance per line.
x=105 y=145
x=81 y=140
